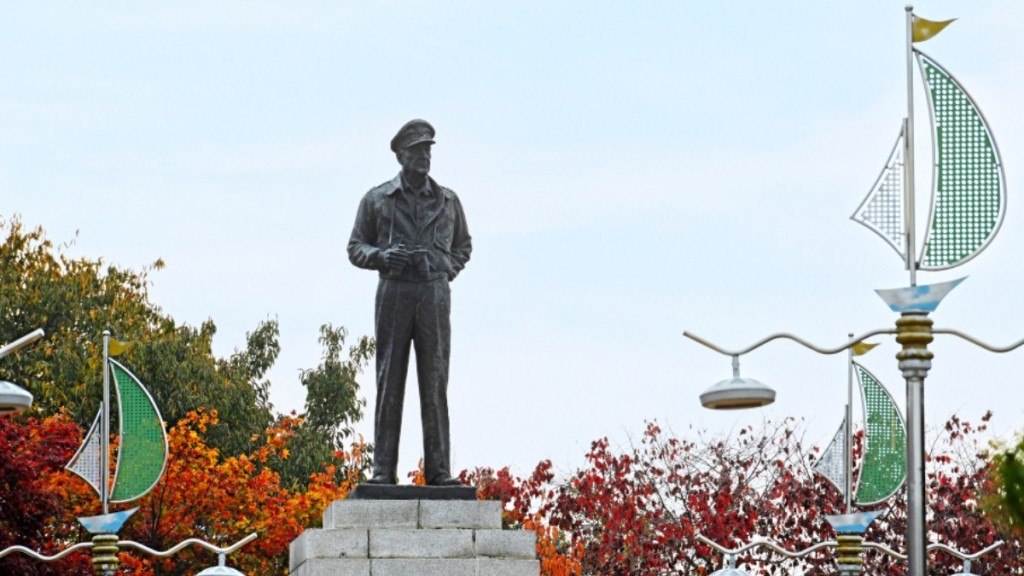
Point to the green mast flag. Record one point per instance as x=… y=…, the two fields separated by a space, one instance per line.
x=142 y=454
x=883 y=468
x=969 y=194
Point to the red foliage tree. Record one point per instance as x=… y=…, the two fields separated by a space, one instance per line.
x=31 y=451
x=637 y=511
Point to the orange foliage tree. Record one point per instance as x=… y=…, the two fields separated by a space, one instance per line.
x=32 y=450
x=218 y=499
x=523 y=501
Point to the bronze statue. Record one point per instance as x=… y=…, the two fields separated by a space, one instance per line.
x=413 y=232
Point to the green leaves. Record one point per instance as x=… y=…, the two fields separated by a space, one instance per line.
x=75 y=299
x=333 y=405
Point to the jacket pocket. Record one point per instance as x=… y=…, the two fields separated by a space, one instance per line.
x=444 y=229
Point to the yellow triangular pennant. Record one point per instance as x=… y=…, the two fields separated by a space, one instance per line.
x=115 y=348
x=862 y=348
x=926 y=29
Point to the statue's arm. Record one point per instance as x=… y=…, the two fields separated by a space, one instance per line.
x=462 y=243
x=361 y=251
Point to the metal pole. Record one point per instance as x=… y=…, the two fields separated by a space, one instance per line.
x=848 y=476
x=22 y=342
x=105 y=429
x=104 y=554
x=849 y=554
x=908 y=156
x=914 y=333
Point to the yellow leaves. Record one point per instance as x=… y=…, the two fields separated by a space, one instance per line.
x=419 y=476
x=205 y=494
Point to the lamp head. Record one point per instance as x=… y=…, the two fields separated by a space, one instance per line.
x=13 y=399
x=737 y=392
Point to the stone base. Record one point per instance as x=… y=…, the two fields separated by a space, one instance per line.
x=410 y=492
x=364 y=537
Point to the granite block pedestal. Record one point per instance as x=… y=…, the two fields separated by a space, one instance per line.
x=413 y=534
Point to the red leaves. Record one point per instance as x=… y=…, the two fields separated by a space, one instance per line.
x=637 y=511
x=32 y=453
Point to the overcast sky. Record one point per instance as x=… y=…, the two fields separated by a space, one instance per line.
x=629 y=170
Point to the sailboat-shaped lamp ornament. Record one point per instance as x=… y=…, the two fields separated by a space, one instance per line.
x=968 y=200
x=883 y=468
x=142 y=449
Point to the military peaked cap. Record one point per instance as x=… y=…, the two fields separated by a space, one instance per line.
x=414 y=132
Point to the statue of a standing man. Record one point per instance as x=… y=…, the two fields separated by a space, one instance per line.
x=413 y=232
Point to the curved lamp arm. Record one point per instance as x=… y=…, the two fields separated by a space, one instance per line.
x=787 y=336
x=935 y=546
x=848 y=344
x=768 y=544
x=41 y=557
x=977 y=342
x=962 y=555
x=178 y=547
x=21 y=342
x=832 y=544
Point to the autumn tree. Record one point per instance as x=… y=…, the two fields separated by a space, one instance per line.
x=332 y=408
x=224 y=434
x=32 y=450
x=1004 y=499
x=637 y=510
x=75 y=299
x=222 y=499
x=203 y=494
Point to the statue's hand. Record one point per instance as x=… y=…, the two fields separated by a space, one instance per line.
x=396 y=258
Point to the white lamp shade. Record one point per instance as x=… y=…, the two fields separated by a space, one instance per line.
x=220 y=571
x=13 y=399
x=736 y=393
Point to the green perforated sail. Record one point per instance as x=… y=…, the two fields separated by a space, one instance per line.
x=883 y=468
x=968 y=197
x=142 y=453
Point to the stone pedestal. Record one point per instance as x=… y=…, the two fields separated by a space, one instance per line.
x=413 y=538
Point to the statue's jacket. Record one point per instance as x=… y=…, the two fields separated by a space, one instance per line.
x=439 y=238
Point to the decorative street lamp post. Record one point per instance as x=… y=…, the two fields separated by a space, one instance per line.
x=914 y=332
x=141 y=462
x=13 y=398
x=968 y=204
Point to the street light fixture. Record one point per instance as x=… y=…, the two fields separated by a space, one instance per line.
x=913 y=332
x=220 y=569
x=13 y=398
x=968 y=205
x=737 y=392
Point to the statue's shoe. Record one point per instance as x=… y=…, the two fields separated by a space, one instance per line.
x=445 y=480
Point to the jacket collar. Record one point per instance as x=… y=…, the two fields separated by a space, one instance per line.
x=396 y=184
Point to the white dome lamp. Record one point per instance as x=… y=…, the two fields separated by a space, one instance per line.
x=220 y=569
x=13 y=398
x=737 y=392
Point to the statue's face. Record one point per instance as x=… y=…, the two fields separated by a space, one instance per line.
x=415 y=159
